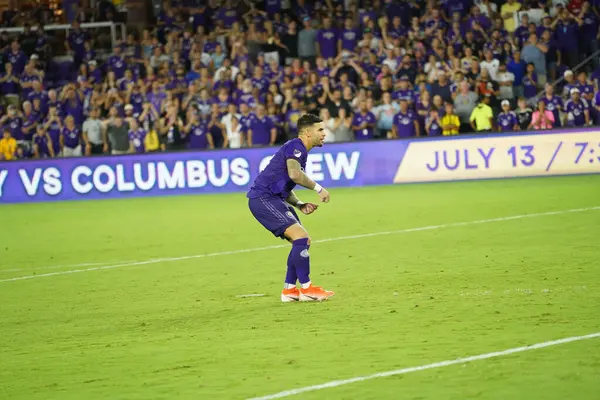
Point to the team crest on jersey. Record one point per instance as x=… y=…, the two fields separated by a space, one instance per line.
x=304 y=253
x=289 y=214
x=297 y=153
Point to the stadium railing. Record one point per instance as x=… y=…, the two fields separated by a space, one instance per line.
x=114 y=27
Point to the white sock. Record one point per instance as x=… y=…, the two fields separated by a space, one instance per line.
x=289 y=286
x=306 y=285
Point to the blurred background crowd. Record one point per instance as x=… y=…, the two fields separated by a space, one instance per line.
x=142 y=76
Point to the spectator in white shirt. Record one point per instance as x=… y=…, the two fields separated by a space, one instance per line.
x=505 y=80
x=226 y=121
x=491 y=64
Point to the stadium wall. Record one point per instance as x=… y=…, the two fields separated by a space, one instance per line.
x=343 y=164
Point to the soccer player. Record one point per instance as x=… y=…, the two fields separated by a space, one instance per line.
x=271 y=201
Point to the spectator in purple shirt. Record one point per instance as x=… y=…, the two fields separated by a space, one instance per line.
x=10 y=84
x=363 y=123
x=261 y=130
x=327 y=41
x=116 y=63
x=567 y=32
x=406 y=123
x=349 y=36
x=75 y=43
x=16 y=57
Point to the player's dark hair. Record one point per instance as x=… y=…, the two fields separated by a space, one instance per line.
x=306 y=121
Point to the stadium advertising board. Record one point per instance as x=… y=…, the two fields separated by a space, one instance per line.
x=346 y=164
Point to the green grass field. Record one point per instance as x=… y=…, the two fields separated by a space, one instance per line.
x=174 y=329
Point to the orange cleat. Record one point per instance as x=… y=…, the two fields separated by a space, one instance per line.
x=315 y=293
x=290 y=295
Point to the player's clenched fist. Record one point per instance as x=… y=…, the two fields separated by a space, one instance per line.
x=308 y=208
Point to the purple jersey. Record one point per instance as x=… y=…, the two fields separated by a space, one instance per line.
x=364 y=133
x=585 y=89
x=261 y=83
x=137 y=101
x=435 y=129
x=16 y=127
x=43 y=144
x=71 y=137
x=10 y=86
x=530 y=86
x=76 y=40
x=553 y=104
x=274 y=179
x=575 y=112
x=327 y=39
x=405 y=123
x=137 y=138
x=228 y=16
x=246 y=121
x=117 y=64
x=28 y=79
x=29 y=126
x=261 y=130
x=349 y=38
x=54 y=133
x=198 y=136
x=18 y=60
x=407 y=95
x=507 y=121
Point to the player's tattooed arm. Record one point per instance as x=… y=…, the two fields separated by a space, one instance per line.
x=293 y=200
x=300 y=178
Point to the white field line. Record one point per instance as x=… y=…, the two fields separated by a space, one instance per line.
x=59 y=266
x=335 y=239
x=440 y=364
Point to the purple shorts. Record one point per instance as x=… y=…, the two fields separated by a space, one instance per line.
x=274 y=214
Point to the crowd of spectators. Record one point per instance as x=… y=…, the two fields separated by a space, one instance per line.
x=231 y=74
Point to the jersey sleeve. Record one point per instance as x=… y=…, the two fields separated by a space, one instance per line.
x=293 y=150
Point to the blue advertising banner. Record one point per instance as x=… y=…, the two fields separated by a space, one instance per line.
x=346 y=164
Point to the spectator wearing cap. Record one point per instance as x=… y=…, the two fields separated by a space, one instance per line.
x=542 y=118
x=507 y=119
x=535 y=53
x=450 y=122
x=482 y=117
x=577 y=110
x=570 y=83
